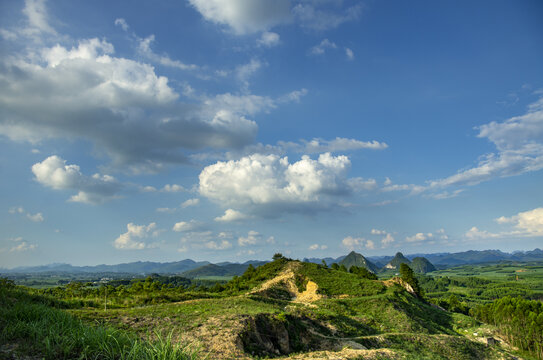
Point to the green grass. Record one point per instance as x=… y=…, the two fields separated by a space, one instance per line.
x=335 y=282
x=30 y=326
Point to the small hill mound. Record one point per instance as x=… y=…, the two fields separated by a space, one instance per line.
x=421 y=265
x=397 y=261
x=356 y=259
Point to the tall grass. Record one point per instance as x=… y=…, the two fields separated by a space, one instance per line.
x=31 y=327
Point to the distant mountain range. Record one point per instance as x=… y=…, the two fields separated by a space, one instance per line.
x=193 y=269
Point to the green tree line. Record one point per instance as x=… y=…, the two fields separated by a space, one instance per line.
x=520 y=321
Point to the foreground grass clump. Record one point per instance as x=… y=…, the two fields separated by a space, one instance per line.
x=28 y=325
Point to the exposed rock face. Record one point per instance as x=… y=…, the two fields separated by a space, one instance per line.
x=272 y=335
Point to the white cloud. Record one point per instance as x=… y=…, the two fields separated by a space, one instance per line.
x=54 y=173
x=172 y=188
x=244 y=16
x=321 y=48
x=23 y=246
x=16 y=210
x=420 y=237
x=133 y=238
x=314 y=146
x=349 y=53
x=37 y=16
x=218 y=245
x=145 y=49
x=527 y=223
x=269 y=39
x=119 y=105
x=38 y=217
x=387 y=240
x=166 y=210
x=122 y=23
x=317 y=247
x=310 y=16
x=231 y=215
x=519 y=143
x=252 y=238
x=190 y=202
x=184 y=226
x=148 y=188
x=270 y=184
x=474 y=234
x=246 y=71
x=352 y=243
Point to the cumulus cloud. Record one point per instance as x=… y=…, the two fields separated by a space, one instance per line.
x=475 y=234
x=420 y=237
x=353 y=243
x=38 y=217
x=524 y=224
x=190 y=202
x=133 y=239
x=269 y=184
x=172 y=188
x=120 y=105
x=184 y=226
x=387 y=239
x=527 y=223
x=252 y=238
x=54 y=173
x=268 y=39
x=218 y=245
x=244 y=16
x=231 y=215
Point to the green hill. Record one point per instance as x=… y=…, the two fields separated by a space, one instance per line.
x=422 y=265
x=397 y=261
x=219 y=270
x=356 y=259
x=284 y=309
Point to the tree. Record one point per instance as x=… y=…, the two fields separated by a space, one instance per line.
x=277 y=256
x=408 y=276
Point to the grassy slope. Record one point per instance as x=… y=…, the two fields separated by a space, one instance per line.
x=31 y=325
x=361 y=309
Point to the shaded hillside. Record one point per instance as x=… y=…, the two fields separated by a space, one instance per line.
x=356 y=259
x=397 y=261
x=422 y=265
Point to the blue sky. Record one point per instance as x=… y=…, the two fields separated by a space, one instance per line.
x=231 y=130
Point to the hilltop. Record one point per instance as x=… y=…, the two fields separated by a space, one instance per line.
x=356 y=259
x=422 y=265
x=397 y=261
